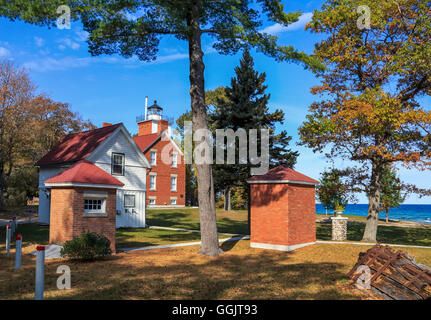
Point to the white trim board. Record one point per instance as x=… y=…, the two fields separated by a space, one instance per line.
x=279 y=247
x=84 y=185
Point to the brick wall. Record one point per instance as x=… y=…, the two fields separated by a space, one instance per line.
x=145 y=127
x=68 y=220
x=282 y=214
x=163 y=191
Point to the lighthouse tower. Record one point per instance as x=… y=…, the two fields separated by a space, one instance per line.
x=153 y=121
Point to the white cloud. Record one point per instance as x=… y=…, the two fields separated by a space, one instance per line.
x=66 y=42
x=81 y=35
x=300 y=24
x=52 y=64
x=39 y=41
x=4 y=53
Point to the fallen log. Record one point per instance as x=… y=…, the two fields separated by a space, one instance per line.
x=391 y=275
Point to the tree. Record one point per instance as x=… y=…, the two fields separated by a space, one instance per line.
x=392 y=195
x=134 y=27
x=244 y=105
x=30 y=125
x=370 y=112
x=332 y=190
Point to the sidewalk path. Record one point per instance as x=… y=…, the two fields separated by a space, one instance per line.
x=186 y=244
x=4 y=222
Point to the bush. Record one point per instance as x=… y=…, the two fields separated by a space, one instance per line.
x=88 y=246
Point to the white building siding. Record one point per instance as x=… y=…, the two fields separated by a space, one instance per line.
x=45 y=201
x=134 y=180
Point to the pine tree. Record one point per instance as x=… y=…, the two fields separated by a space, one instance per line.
x=245 y=105
x=391 y=196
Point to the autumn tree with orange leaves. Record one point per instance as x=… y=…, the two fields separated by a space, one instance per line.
x=30 y=125
x=370 y=109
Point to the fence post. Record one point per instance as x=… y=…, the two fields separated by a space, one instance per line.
x=18 y=252
x=40 y=273
x=8 y=237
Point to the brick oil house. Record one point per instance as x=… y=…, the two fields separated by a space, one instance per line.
x=166 y=179
x=282 y=210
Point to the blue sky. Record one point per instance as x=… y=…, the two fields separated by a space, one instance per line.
x=113 y=89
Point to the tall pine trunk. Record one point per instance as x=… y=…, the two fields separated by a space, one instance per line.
x=227 y=202
x=207 y=212
x=370 y=232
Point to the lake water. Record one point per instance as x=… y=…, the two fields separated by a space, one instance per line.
x=407 y=212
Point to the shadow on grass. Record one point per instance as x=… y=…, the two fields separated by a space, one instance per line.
x=254 y=275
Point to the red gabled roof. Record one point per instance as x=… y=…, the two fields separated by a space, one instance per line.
x=281 y=173
x=85 y=172
x=145 y=141
x=77 y=146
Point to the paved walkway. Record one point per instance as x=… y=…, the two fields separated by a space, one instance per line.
x=186 y=244
x=191 y=230
x=4 y=222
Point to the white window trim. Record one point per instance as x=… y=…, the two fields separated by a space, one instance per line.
x=176 y=160
x=173 y=199
x=153 y=174
x=152 y=198
x=155 y=158
x=176 y=182
x=96 y=212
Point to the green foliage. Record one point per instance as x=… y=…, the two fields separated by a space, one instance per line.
x=87 y=246
x=333 y=192
x=392 y=187
x=244 y=104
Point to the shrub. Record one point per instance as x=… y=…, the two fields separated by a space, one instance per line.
x=88 y=246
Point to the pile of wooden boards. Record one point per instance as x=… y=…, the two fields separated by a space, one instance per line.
x=385 y=274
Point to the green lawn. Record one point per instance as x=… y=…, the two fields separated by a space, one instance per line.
x=188 y=218
x=229 y=222
x=34 y=234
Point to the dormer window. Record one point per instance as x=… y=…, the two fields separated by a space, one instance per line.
x=117 y=164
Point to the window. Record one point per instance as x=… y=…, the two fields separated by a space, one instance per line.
x=152 y=202
x=174 y=160
x=129 y=200
x=173 y=201
x=152 y=181
x=95 y=203
x=153 y=157
x=173 y=183
x=118 y=164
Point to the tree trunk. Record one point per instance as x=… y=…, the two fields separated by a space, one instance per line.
x=207 y=212
x=227 y=203
x=370 y=232
x=387 y=215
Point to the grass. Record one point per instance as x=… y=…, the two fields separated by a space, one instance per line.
x=34 y=234
x=313 y=272
x=188 y=218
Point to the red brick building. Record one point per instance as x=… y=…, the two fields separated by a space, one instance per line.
x=76 y=209
x=282 y=210
x=166 y=179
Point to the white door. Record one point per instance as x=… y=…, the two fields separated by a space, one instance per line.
x=130 y=209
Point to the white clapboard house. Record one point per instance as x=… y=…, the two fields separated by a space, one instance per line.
x=110 y=148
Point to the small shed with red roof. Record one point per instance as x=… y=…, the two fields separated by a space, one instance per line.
x=83 y=198
x=282 y=210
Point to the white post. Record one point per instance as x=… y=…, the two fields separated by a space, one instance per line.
x=40 y=273
x=8 y=237
x=18 y=253
x=146 y=107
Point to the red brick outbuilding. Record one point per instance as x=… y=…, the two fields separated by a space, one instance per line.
x=83 y=198
x=282 y=210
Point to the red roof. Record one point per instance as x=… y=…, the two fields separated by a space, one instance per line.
x=145 y=141
x=281 y=173
x=77 y=146
x=85 y=172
